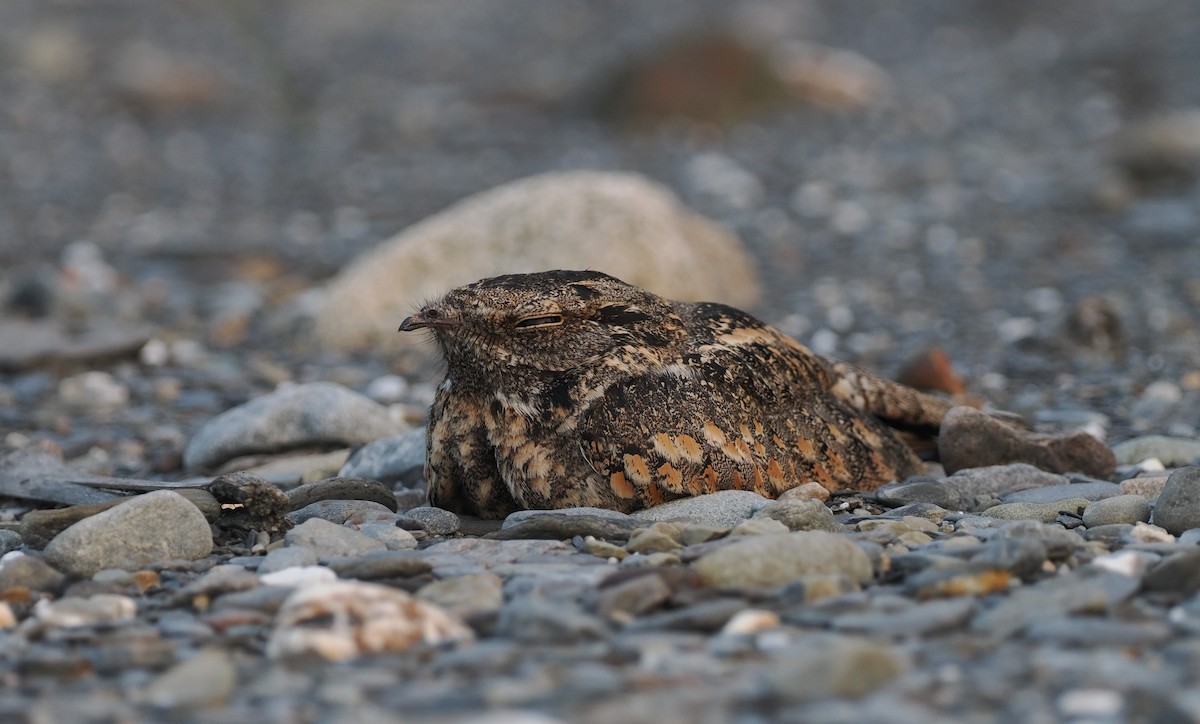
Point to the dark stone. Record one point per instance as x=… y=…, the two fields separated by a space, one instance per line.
x=1178 y=506
x=969 y=438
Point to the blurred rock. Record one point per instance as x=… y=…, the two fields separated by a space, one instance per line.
x=92 y=391
x=932 y=370
x=1178 y=506
x=832 y=78
x=969 y=438
x=715 y=79
x=396 y=459
x=1094 y=325
x=153 y=79
x=1171 y=451
x=312 y=414
x=622 y=224
x=26 y=344
x=1164 y=148
x=54 y=53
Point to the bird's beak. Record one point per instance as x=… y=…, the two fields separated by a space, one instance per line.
x=429 y=318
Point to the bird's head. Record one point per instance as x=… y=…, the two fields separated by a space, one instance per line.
x=546 y=322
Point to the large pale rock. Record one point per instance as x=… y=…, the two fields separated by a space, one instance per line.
x=618 y=223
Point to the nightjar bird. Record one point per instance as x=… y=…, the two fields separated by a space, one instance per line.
x=573 y=388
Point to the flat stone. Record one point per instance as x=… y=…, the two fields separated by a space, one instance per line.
x=287 y=557
x=1055 y=493
x=384 y=564
x=145 y=529
x=723 y=509
x=534 y=620
x=1172 y=451
x=74 y=611
x=801 y=515
x=1116 y=510
x=398 y=459
x=837 y=666
x=969 y=438
x=1178 y=506
x=435 y=521
x=465 y=595
x=633 y=597
x=341 y=488
x=775 y=560
x=1044 y=512
x=340 y=511
x=919 y=620
x=329 y=540
x=559 y=527
x=1073 y=593
x=974 y=486
x=1147 y=486
x=306 y=415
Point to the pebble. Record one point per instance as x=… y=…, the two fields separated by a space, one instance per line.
x=10 y=540
x=659 y=538
x=632 y=597
x=1172 y=451
x=207 y=679
x=1148 y=486
x=312 y=414
x=1054 y=493
x=142 y=530
x=329 y=540
x=841 y=666
x=1044 y=512
x=969 y=438
x=535 y=621
x=807 y=491
x=1060 y=596
x=287 y=557
x=342 y=620
x=396 y=459
x=1178 y=506
x=22 y=570
x=73 y=611
x=1116 y=510
x=93 y=391
x=801 y=515
x=775 y=560
x=340 y=511
x=435 y=521
x=723 y=509
x=467 y=594
x=396 y=539
x=922 y=619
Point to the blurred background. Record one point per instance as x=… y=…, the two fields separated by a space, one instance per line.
x=1014 y=183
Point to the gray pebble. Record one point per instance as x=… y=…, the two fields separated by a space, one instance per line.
x=723 y=509
x=801 y=515
x=315 y=413
x=385 y=564
x=328 y=540
x=974 y=485
x=520 y=516
x=464 y=595
x=287 y=557
x=1178 y=506
x=840 y=666
x=339 y=511
x=206 y=679
x=22 y=570
x=919 y=620
x=1171 y=451
x=1118 y=509
x=435 y=521
x=391 y=460
x=1023 y=557
x=1044 y=512
x=774 y=560
x=392 y=536
x=142 y=530
x=916 y=491
x=1055 y=493
x=10 y=540
x=539 y=621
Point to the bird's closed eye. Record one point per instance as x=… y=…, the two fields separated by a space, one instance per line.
x=544 y=320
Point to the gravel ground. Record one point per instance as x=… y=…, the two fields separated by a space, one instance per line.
x=1021 y=191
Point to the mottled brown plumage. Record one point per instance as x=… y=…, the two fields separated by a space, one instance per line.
x=568 y=388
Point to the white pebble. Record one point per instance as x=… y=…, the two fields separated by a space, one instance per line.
x=387 y=389
x=299 y=576
x=1090 y=703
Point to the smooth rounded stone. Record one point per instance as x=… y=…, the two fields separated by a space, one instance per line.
x=919 y=490
x=329 y=540
x=145 y=529
x=927 y=511
x=603 y=549
x=287 y=557
x=840 y=666
x=520 y=516
x=1095 y=633
x=1075 y=592
x=968 y=438
x=1178 y=506
x=964 y=579
x=341 y=488
x=807 y=491
x=1189 y=537
x=73 y=611
x=708 y=616
x=340 y=511
x=759 y=526
x=466 y=595
x=299 y=576
x=1172 y=451
x=385 y=564
x=774 y=560
x=1112 y=535
x=21 y=570
x=975 y=485
x=659 y=538
x=919 y=620
x=1178 y=573
x=1118 y=509
x=722 y=509
x=395 y=538
x=801 y=515
x=310 y=414
x=1054 y=493
x=10 y=540
x=631 y=227
x=1147 y=486
x=632 y=597
x=435 y=521
x=550 y=525
x=207 y=679
x=264 y=599
x=1044 y=512
x=534 y=620
x=342 y=620
x=1023 y=557
x=92 y=391
x=398 y=459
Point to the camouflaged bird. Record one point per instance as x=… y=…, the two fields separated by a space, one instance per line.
x=573 y=388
